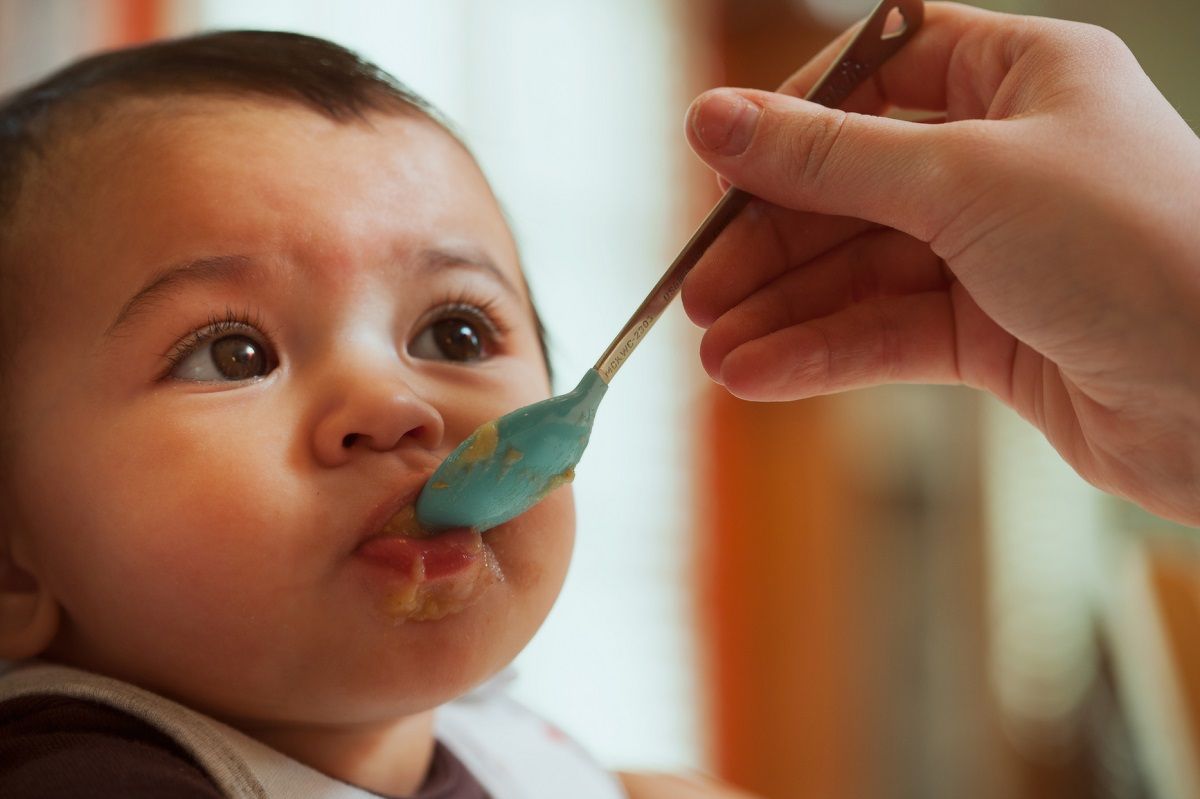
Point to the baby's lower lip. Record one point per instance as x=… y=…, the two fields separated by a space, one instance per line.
x=426 y=579
x=425 y=558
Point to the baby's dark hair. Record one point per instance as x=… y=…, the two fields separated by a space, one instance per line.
x=312 y=72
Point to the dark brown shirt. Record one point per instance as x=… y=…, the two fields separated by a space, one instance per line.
x=55 y=746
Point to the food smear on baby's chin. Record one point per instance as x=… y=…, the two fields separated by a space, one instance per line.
x=425 y=577
x=481 y=444
x=429 y=599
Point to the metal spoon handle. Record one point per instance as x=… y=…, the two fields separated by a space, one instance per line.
x=869 y=48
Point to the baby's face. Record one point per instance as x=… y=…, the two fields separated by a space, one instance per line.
x=203 y=466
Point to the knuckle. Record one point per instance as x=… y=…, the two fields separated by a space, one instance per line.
x=1093 y=38
x=813 y=366
x=1083 y=41
x=1106 y=49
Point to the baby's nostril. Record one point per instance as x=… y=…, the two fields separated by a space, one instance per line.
x=349 y=439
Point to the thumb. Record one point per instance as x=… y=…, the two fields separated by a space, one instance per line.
x=805 y=156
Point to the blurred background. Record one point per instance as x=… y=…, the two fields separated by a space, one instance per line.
x=898 y=592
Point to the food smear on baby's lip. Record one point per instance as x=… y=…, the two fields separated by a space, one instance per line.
x=428 y=577
x=405 y=523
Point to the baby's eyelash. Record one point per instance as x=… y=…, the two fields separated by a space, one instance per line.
x=484 y=309
x=216 y=326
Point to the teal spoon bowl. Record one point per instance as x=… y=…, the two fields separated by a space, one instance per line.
x=507 y=466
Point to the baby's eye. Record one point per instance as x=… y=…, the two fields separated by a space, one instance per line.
x=227 y=357
x=459 y=337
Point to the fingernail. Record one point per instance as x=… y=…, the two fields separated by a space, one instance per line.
x=724 y=122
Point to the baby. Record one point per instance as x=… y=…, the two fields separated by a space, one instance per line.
x=253 y=292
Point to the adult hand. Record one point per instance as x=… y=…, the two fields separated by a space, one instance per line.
x=1041 y=243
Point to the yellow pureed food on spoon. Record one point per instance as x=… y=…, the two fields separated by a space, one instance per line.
x=483 y=444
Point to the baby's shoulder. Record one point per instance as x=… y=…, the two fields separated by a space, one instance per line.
x=63 y=746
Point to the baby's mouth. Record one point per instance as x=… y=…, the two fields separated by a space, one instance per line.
x=404 y=524
x=429 y=577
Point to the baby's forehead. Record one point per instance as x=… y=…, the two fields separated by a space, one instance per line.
x=124 y=126
x=116 y=159
x=203 y=138
x=241 y=170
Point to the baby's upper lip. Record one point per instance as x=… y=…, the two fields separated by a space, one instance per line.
x=385 y=510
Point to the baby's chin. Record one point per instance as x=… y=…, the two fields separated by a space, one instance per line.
x=444 y=662
x=361 y=689
x=423 y=664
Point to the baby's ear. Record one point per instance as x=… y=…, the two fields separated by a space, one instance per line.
x=29 y=613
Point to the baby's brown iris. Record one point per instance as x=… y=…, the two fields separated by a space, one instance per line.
x=458 y=340
x=239 y=358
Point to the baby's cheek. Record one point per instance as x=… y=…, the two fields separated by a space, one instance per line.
x=535 y=549
x=176 y=512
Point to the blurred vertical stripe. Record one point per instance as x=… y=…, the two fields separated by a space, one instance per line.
x=137 y=20
x=783 y=600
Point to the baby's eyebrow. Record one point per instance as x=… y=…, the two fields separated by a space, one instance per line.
x=223 y=268
x=213 y=269
x=438 y=258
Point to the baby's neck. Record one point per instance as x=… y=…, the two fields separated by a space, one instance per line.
x=390 y=758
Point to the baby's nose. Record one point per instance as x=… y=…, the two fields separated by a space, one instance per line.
x=374 y=413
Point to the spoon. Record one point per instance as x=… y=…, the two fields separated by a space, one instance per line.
x=508 y=465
